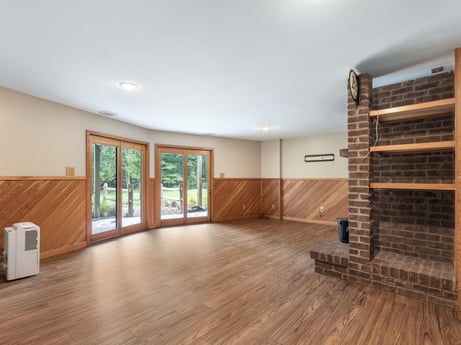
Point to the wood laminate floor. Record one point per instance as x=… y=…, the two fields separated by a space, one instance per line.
x=247 y=282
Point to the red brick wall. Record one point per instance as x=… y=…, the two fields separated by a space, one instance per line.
x=424 y=89
x=360 y=223
x=417 y=168
x=399 y=240
x=413 y=132
x=414 y=223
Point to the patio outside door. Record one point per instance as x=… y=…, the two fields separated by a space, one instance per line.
x=184 y=185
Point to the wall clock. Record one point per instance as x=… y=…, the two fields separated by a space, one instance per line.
x=354 y=86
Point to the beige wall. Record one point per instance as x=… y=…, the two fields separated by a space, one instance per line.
x=270 y=159
x=294 y=150
x=41 y=138
x=234 y=158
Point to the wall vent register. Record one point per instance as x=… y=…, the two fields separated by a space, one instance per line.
x=326 y=157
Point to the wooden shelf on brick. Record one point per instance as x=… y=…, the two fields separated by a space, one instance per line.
x=420 y=147
x=413 y=186
x=415 y=111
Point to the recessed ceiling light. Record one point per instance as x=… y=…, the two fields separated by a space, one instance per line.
x=266 y=128
x=107 y=113
x=127 y=85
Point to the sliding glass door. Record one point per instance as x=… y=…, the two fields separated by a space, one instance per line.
x=116 y=168
x=183 y=185
x=197 y=184
x=131 y=202
x=104 y=187
x=172 y=185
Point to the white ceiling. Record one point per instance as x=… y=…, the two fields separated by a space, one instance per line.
x=223 y=68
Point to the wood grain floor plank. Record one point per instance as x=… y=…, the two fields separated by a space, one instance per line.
x=247 y=282
x=55 y=338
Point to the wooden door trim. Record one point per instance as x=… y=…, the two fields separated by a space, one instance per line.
x=457 y=240
x=179 y=147
x=116 y=137
x=89 y=183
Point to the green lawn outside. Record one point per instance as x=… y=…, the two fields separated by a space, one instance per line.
x=108 y=205
x=173 y=195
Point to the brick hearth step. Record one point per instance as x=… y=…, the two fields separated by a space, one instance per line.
x=331 y=258
x=424 y=279
x=420 y=278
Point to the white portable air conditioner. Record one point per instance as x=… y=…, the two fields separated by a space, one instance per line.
x=21 y=256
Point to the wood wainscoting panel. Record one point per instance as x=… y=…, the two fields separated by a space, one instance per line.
x=270 y=197
x=235 y=198
x=302 y=199
x=57 y=205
